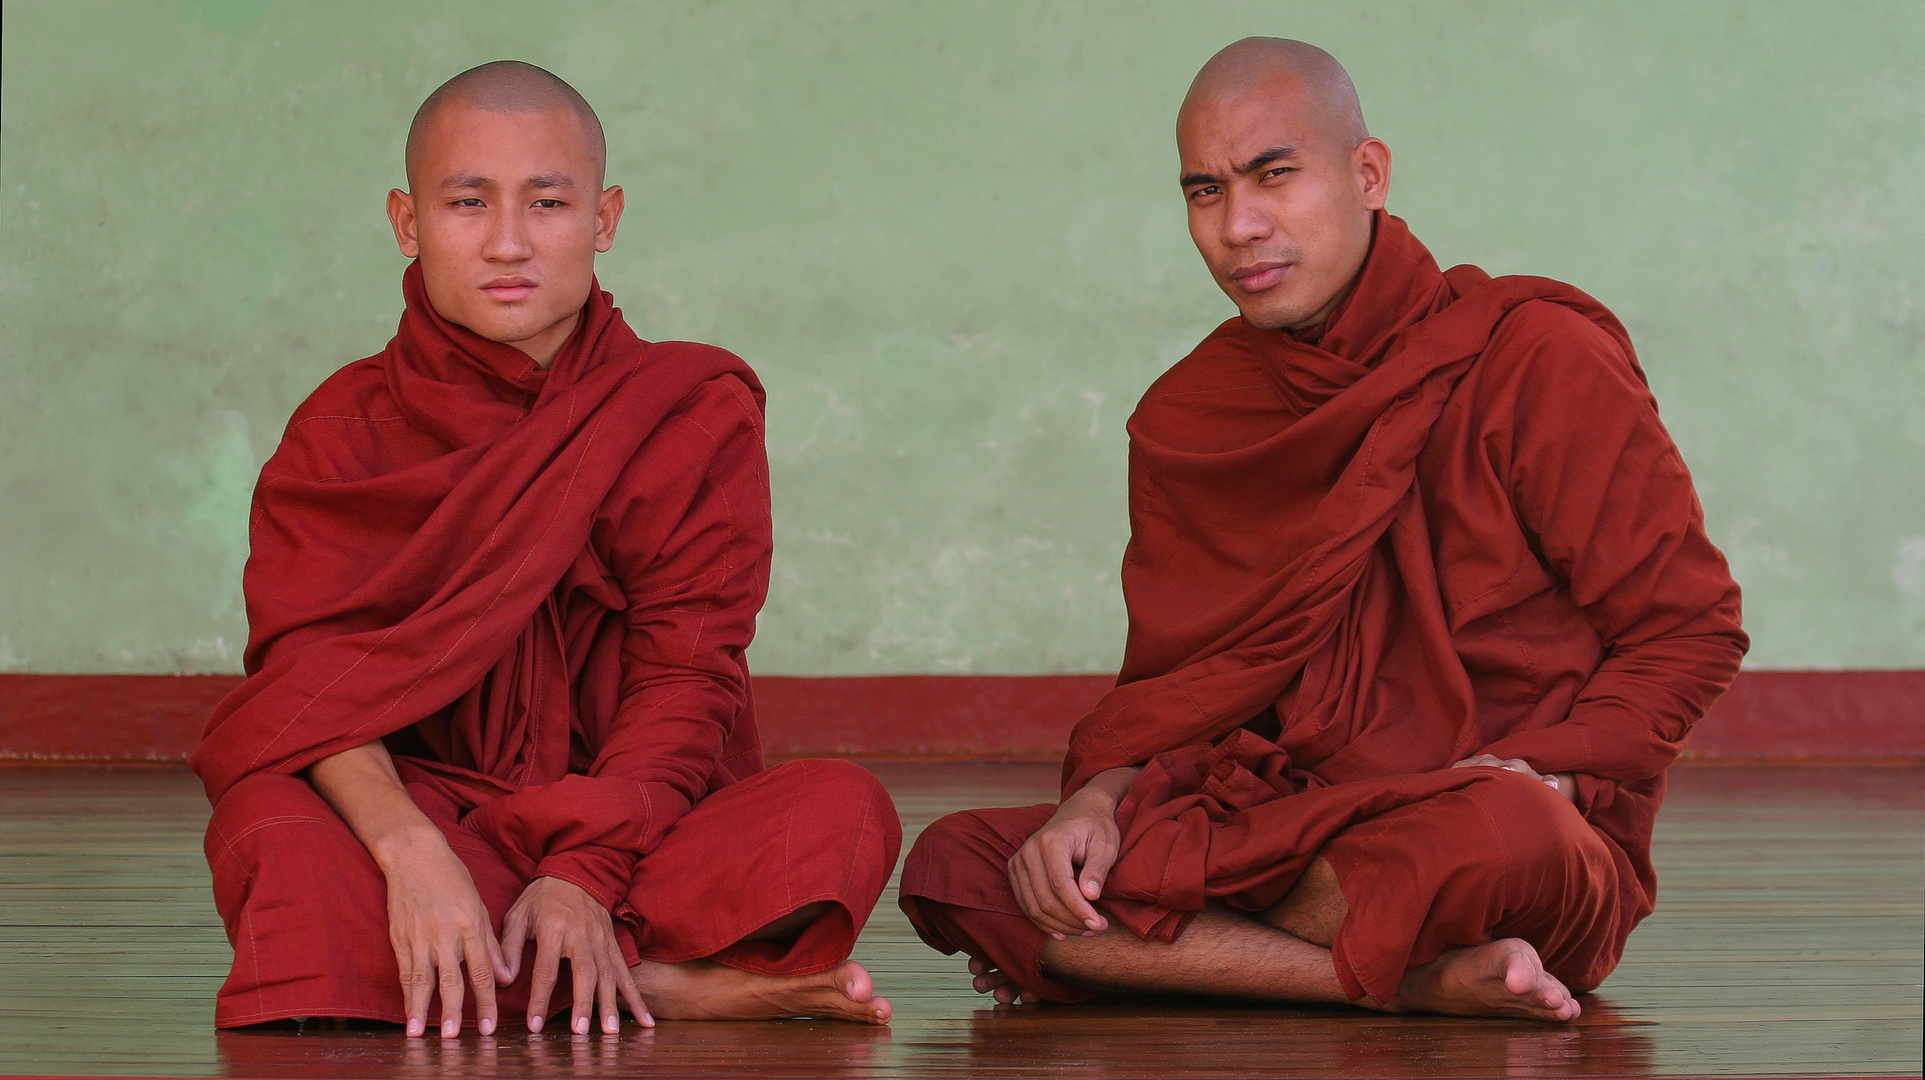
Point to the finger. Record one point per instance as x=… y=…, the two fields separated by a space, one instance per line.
x=1096 y=871
x=587 y=972
x=1028 y=898
x=482 y=955
x=1071 y=905
x=417 y=988
x=605 y=1005
x=514 y=941
x=497 y=959
x=1051 y=915
x=448 y=963
x=547 y=968
x=631 y=993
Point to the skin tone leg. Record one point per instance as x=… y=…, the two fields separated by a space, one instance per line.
x=705 y=990
x=1284 y=955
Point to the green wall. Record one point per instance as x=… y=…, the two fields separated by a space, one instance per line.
x=949 y=237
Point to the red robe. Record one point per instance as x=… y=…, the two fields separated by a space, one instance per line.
x=1451 y=524
x=536 y=586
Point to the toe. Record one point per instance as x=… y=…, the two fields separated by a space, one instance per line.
x=855 y=982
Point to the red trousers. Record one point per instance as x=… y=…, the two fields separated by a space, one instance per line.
x=306 y=906
x=1461 y=868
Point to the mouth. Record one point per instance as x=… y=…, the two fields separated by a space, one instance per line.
x=1258 y=277
x=509 y=288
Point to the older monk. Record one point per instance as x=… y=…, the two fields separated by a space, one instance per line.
x=497 y=730
x=1421 y=608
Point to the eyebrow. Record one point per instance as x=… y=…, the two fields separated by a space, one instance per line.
x=470 y=180
x=1268 y=156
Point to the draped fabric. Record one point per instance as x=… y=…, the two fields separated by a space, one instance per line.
x=1448 y=522
x=535 y=585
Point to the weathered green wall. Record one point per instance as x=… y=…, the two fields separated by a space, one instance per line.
x=948 y=235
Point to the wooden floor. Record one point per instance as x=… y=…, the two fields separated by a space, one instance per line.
x=1787 y=943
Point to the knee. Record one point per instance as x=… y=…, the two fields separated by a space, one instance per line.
x=846 y=786
x=262 y=804
x=1538 y=833
x=966 y=844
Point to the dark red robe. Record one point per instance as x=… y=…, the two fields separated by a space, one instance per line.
x=536 y=586
x=1451 y=524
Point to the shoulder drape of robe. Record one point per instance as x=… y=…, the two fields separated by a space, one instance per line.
x=1454 y=524
x=536 y=585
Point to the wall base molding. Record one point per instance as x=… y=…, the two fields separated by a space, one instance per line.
x=1788 y=716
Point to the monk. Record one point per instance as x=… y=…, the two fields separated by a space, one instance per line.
x=497 y=733
x=1421 y=608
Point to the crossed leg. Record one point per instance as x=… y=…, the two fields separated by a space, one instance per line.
x=821 y=838
x=1447 y=922
x=1284 y=955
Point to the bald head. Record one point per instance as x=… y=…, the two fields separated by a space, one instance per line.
x=1282 y=178
x=507 y=87
x=1280 y=66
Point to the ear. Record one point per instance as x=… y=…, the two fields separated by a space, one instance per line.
x=608 y=214
x=401 y=216
x=1370 y=162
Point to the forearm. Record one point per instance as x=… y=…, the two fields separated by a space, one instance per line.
x=363 y=787
x=1106 y=788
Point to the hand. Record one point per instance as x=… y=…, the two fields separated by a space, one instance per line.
x=1563 y=783
x=566 y=922
x=437 y=923
x=436 y=920
x=1061 y=869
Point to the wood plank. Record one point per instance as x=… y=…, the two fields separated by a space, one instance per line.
x=1787 y=943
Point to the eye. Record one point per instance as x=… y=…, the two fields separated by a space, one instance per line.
x=466 y=203
x=1271 y=174
x=549 y=204
x=1206 y=191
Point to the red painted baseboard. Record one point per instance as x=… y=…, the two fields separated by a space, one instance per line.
x=1768 y=715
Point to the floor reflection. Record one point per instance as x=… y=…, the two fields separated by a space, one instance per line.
x=1106 y=1041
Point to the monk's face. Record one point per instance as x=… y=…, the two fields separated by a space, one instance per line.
x=1280 y=205
x=506 y=216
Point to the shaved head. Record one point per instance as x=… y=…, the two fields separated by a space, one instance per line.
x=505 y=86
x=1282 y=178
x=1246 y=68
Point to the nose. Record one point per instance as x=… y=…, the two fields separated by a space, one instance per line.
x=1245 y=220
x=507 y=239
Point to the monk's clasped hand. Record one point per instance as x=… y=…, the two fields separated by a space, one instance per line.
x=1059 y=872
x=1564 y=784
x=566 y=923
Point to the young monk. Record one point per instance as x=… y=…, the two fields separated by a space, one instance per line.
x=497 y=725
x=1421 y=607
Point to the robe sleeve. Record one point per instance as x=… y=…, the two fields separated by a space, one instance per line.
x=687 y=535
x=1599 y=485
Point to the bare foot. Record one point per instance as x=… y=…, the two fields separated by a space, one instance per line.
x=705 y=990
x=1497 y=978
x=993 y=981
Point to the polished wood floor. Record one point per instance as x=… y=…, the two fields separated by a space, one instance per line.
x=1787 y=943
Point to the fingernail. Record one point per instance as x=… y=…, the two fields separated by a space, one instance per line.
x=580 y=1025
x=416 y=1029
x=487 y=1027
x=450 y=1029
x=534 y=1024
x=611 y=1023
x=648 y=1020
x=1059 y=937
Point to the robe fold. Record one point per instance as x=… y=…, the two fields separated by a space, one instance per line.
x=1448 y=523
x=536 y=586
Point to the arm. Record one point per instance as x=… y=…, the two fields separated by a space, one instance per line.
x=687 y=537
x=1061 y=868
x=436 y=920
x=1600 y=486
